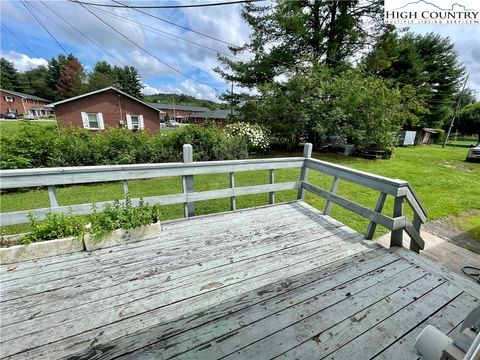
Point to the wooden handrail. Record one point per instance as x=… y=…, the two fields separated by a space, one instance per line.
x=401 y=190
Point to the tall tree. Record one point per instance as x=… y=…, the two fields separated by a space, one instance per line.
x=428 y=63
x=128 y=80
x=9 y=77
x=292 y=35
x=71 y=80
x=37 y=82
x=102 y=76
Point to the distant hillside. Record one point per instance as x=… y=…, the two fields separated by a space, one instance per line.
x=181 y=99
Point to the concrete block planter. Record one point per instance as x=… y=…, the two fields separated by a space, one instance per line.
x=121 y=237
x=37 y=250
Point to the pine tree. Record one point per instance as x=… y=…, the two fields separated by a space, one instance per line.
x=292 y=36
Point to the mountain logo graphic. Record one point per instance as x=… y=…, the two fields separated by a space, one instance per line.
x=436 y=6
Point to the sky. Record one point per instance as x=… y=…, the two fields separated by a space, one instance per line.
x=179 y=66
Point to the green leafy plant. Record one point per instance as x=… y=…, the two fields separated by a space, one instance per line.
x=121 y=215
x=54 y=226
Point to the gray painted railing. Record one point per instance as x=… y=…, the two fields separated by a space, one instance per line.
x=399 y=189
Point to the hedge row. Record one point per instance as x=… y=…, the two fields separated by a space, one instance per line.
x=36 y=146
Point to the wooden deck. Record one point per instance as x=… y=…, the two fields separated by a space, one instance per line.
x=278 y=282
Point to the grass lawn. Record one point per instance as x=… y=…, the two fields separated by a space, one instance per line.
x=11 y=127
x=445 y=183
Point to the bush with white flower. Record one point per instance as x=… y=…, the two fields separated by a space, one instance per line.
x=257 y=136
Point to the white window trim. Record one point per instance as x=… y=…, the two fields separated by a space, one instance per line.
x=140 y=122
x=9 y=99
x=86 y=123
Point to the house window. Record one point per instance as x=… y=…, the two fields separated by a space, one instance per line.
x=9 y=99
x=135 y=122
x=93 y=121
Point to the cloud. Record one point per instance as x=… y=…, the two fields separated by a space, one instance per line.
x=188 y=87
x=200 y=91
x=192 y=60
x=23 y=62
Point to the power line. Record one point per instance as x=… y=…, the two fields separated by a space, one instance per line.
x=166 y=34
x=56 y=23
x=20 y=41
x=85 y=36
x=172 y=23
x=143 y=49
x=53 y=37
x=169 y=6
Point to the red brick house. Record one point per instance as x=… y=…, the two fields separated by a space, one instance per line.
x=14 y=102
x=107 y=107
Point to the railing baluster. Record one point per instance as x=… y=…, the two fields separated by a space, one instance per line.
x=52 y=195
x=307 y=153
x=396 y=239
x=271 y=195
x=233 y=204
x=187 y=181
x=125 y=187
x=333 y=189
x=372 y=224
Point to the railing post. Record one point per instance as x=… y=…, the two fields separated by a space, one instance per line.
x=271 y=178
x=125 y=187
x=307 y=154
x=187 y=181
x=417 y=223
x=373 y=225
x=52 y=195
x=233 y=204
x=396 y=238
x=333 y=190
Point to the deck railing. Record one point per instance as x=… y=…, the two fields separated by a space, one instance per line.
x=399 y=189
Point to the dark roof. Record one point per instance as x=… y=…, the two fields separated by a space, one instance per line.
x=27 y=96
x=179 y=107
x=110 y=88
x=213 y=114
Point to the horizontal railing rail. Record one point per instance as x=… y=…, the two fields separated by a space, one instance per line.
x=401 y=190
x=89 y=174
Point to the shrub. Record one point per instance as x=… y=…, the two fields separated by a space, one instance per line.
x=121 y=216
x=54 y=226
x=31 y=146
x=256 y=135
x=34 y=146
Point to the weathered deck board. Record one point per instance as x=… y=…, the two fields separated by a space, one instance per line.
x=274 y=281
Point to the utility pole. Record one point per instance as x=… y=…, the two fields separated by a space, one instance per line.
x=231 y=101
x=455 y=112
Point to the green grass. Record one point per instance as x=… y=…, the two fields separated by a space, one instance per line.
x=11 y=127
x=446 y=184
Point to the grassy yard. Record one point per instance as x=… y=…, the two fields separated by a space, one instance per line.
x=11 y=127
x=447 y=185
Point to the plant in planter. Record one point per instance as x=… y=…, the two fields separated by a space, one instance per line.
x=122 y=222
x=54 y=235
x=54 y=226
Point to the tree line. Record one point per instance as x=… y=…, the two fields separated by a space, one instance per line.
x=322 y=70
x=65 y=76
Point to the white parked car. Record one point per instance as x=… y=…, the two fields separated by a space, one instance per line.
x=29 y=117
x=473 y=154
x=171 y=123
